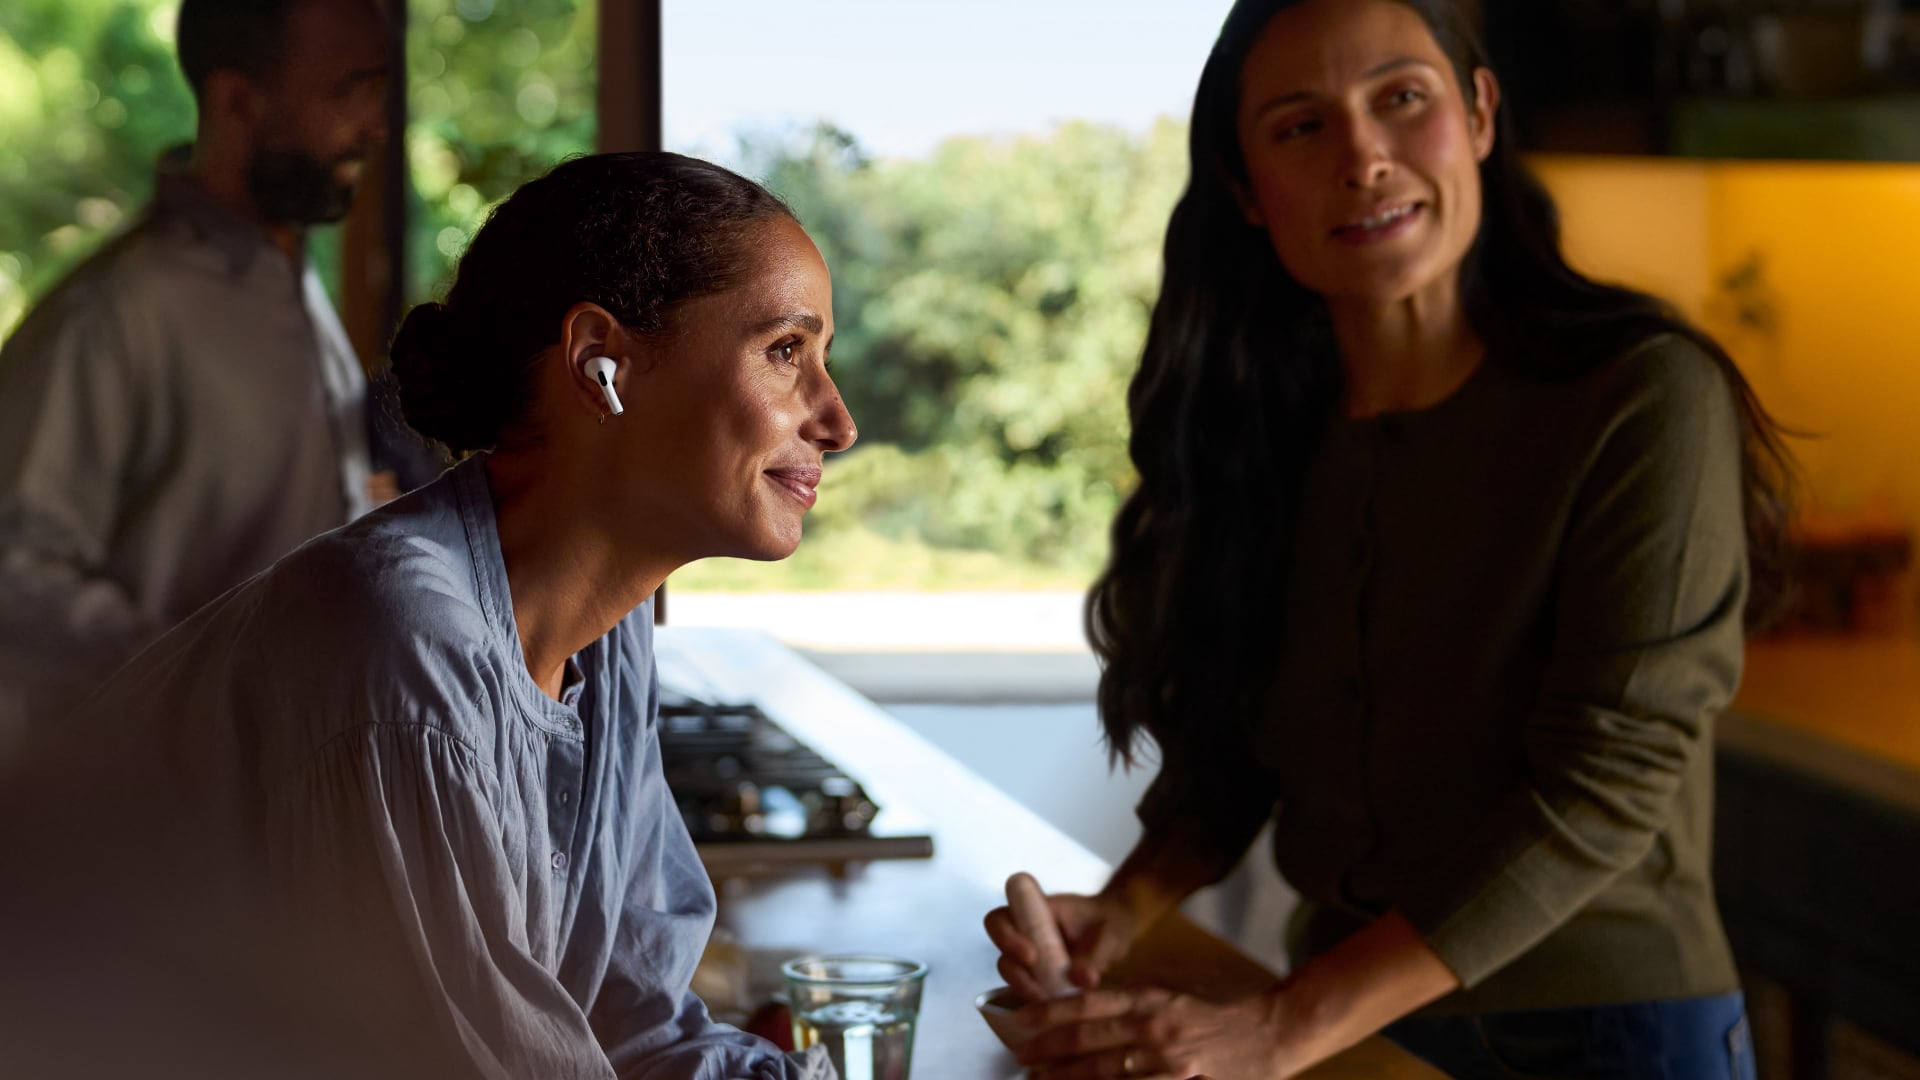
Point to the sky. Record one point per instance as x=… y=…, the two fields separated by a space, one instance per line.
x=903 y=74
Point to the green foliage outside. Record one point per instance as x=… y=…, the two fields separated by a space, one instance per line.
x=497 y=93
x=89 y=96
x=991 y=302
x=990 y=298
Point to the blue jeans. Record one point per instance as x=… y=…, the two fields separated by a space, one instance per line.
x=1689 y=1039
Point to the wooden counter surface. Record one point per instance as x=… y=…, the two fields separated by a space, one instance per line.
x=1817 y=840
x=931 y=909
x=1843 y=708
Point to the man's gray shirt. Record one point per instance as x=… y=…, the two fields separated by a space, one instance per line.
x=354 y=735
x=180 y=412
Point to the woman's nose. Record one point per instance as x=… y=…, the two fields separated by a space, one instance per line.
x=1365 y=158
x=832 y=426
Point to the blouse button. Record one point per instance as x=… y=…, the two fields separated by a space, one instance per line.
x=560 y=861
x=566 y=798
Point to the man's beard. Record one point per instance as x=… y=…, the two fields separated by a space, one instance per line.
x=296 y=188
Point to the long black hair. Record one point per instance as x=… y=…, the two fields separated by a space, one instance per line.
x=1241 y=372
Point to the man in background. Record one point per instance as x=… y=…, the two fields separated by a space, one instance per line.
x=185 y=408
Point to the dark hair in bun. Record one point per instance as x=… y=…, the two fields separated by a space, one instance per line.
x=637 y=233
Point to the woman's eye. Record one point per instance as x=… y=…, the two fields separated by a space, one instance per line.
x=1295 y=129
x=786 y=352
x=1408 y=96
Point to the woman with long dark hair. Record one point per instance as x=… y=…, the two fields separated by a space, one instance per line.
x=1439 y=560
x=404 y=787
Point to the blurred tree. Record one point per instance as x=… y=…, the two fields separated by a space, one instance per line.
x=89 y=97
x=991 y=301
x=498 y=93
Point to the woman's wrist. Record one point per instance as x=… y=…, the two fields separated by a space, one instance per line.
x=1357 y=988
x=1283 y=1031
x=1140 y=896
x=1161 y=871
x=1304 y=1020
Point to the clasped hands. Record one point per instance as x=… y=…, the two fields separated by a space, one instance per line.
x=1140 y=1033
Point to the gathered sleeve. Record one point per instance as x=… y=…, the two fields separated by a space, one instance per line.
x=1650 y=594
x=390 y=839
x=418 y=832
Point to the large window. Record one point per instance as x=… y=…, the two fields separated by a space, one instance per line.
x=990 y=183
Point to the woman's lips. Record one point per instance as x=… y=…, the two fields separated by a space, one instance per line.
x=1381 y=225
x=799 y=482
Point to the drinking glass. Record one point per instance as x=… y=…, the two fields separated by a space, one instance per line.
x=862 y=1007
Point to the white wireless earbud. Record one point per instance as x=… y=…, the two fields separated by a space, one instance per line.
x=601 y=368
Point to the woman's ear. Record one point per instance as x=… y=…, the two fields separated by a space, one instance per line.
x=1486 y=108
x=594 y=347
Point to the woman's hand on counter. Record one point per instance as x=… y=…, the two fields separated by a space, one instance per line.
x=1158 y=1034
x=1332 y=1002
x=1097 y=930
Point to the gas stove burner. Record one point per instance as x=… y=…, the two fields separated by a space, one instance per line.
x=742 y=782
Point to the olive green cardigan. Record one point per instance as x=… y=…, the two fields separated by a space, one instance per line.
x=1509 y=623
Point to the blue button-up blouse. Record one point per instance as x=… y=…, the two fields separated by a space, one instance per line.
x=358 y=728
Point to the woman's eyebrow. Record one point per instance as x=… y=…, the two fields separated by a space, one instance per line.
x=805 y=320
x=1297 y=96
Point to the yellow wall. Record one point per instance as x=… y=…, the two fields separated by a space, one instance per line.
x=1839 y=251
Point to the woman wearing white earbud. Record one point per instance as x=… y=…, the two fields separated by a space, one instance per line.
x=434 y=729
x=601 y=369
